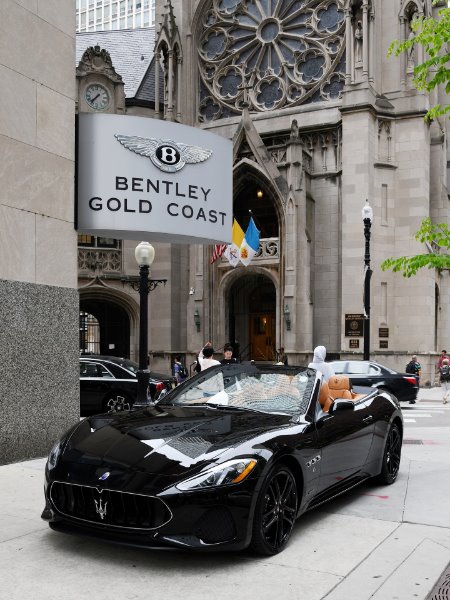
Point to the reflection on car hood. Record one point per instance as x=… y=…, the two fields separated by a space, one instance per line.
x=169 y=441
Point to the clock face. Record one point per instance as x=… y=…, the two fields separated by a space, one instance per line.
x=97 y=96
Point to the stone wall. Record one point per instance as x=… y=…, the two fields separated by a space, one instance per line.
x=39 y=385
x=39 y=390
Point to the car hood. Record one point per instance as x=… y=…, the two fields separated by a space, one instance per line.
x=166 y=441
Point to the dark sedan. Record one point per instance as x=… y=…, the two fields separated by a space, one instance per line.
x=368 y=373
x=227 y=460
x=110 y=383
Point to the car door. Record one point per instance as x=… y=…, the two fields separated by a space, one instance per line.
x=93 y=385
x=344 y=439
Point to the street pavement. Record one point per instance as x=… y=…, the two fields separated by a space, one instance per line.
x=382 y=543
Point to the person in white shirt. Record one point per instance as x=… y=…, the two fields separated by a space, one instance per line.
x=205 y=358
x=319 y=363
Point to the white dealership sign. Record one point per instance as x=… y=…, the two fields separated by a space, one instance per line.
x=146 y=179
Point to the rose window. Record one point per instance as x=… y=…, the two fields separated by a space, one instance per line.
x=270 y=54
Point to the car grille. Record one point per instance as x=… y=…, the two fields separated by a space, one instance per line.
x=109 y=507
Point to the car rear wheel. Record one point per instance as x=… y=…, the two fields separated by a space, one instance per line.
x=117 y=402
x=391 y=457
x=275 y=512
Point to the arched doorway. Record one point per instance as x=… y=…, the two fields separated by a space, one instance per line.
x=252 y=317
x=113 y=329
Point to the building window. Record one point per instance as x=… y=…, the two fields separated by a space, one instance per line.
x=91 y=241
x=289 y=53
x=89 y=334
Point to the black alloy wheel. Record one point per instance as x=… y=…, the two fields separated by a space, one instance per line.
x=117 y=403
x=391 y=456
x=275 y=512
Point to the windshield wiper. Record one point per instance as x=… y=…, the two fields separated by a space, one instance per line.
x=232 y=407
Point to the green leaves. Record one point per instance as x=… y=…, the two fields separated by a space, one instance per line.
x=433 y=35
x=437 y=236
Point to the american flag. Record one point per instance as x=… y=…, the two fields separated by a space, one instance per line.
x=219 y=249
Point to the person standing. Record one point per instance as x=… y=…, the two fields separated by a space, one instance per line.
x=228 y=358
x=282 y=356
x=179 y=370
x=205 y=357
x=318 y=363
x=414 y=368
x=443 y=356
x=444 y=375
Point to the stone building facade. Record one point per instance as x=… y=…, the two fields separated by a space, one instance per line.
x=321 y=120
x=39 y=390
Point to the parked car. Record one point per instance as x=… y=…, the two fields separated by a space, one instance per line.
x=110 y=383
x=227 y=460
x=369 y=373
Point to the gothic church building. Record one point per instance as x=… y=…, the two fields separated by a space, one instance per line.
x=321 y=119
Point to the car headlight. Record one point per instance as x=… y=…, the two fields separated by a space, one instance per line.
x=54 y=455
x=231 y=472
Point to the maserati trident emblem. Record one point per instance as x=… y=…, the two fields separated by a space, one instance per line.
x=100 y=508
x=167 y=155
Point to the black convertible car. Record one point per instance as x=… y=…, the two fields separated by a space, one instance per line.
x=227 y=460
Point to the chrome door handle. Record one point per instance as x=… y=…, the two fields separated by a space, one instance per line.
x=368 y=419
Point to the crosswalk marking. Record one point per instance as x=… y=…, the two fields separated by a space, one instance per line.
x=409 y=421
x=421 y=415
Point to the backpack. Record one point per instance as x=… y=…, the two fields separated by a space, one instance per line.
x=183 y=372
x=411 y=367
x=445 y=372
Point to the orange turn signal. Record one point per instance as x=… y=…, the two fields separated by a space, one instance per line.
x=245 y=472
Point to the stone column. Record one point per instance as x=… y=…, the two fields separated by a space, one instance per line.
x=170 y=87
x=179 y=115
x=371 y=46
x=365 y=72
x=349 y=45
x=403 y=54
x=157 y=113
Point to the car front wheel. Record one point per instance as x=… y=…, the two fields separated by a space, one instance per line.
x=275 y=512
x=391 y=457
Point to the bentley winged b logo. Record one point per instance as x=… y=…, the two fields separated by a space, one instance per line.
x=100 y=508
x=167 y=155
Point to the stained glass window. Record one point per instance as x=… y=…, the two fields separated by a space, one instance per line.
x=270 y=53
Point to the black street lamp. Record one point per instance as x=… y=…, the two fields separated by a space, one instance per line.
x=145 y=254
x=367 y=215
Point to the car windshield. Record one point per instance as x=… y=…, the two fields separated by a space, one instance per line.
x=269 y=390
x=130 y=365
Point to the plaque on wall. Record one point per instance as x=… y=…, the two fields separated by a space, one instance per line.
x=383 y=332
x=354 y=343
x=383 y=344
x=354 y=325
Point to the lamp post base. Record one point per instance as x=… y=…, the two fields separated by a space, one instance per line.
x=143 y=377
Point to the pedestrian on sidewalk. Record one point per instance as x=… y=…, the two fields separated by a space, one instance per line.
x=442 y=357
x=228 y=358
x=414 y=368
x=205 y=357
x=179 y=370
x=444 y=374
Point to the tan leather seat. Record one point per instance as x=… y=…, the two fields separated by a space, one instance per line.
x=339 y=387
x=325 y=399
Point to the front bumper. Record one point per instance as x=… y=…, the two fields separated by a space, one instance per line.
x=207 y=520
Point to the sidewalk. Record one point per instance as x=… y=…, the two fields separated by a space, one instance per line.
x=375 y=543
x=433 y=394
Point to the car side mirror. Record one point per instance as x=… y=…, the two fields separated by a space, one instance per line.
x=341 y=404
